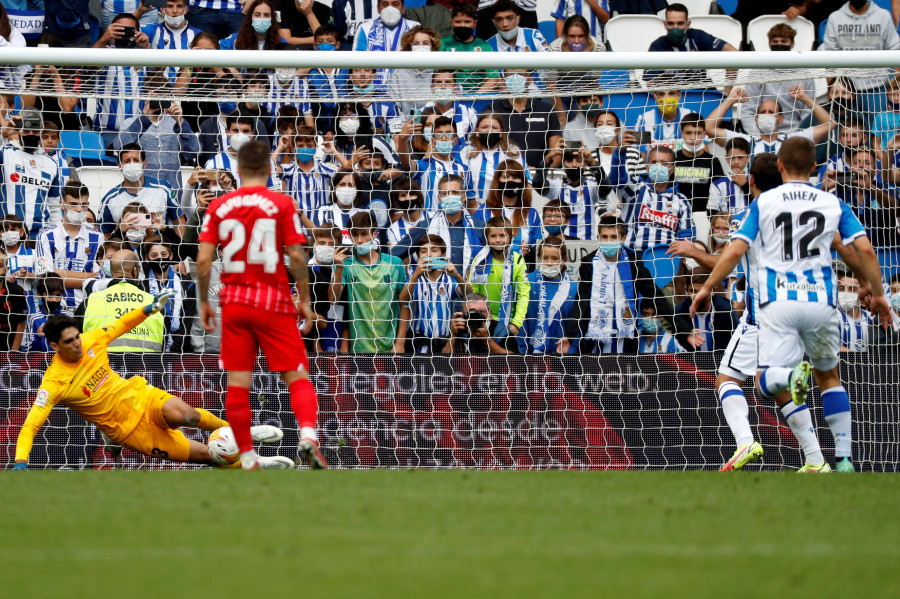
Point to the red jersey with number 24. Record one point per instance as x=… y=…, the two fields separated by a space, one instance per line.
x=252 y=226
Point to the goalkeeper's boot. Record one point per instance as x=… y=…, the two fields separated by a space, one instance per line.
x=309 y=449
x=799 y=382
x=844 y=465
x=744 y=454
x=266 y=433
x=810 y=469
x=275 y=462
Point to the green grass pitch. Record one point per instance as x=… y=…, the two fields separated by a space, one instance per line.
x=428 y=534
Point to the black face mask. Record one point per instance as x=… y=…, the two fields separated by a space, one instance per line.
x=780 y=48
x=371 y=176
x=462 y=33
x=30 y=143
x=51 y=307
x=406 y=207
x=857 y=4
x=512 y=189
x=489 y=140
x=157 y=266
x=573 y=173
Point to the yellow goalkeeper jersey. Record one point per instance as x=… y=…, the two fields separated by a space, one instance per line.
x=90 y=388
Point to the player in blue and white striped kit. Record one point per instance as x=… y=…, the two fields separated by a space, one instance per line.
x=796 y=225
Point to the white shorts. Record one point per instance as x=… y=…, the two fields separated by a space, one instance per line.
x=739 y=361
x=788 y=329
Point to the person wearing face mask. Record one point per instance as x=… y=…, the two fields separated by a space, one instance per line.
x=29 y=175
x=856 y=323
x=440 y=161
x=655 y=211
x=50 y=292
x=463 y=20
x=414 y=83
x=259 y=30
x=160 y=273
x=511 y=199
x=240 y=131
x=330 y=323
x=654 y=338
x=70 y=248
x=173 y=33
x=488 y=146
x=385 y=32
x=287 y=88
x=452 y=222
x=137 y=187
x=548 y=327
x=510 y=37
x=300 y=19
x=719 y=228
x=355 y=135
x=13 y=310
x=373 y=281
x=323 y=82
x=406 y=211
x=19 y=256
x=433 y=288
x=555 y=216
x=532 y=123
x=781 y=39
x=574 y=37
x=663 y=121
x=879 y=337
x=843 y=33
x=580 y=125
x=306 y=179
x=710 y=330
x=444 y=84
x=580 y=186
x=852 y=134
x=769 y=118
x=731 y=193
x=680 y=37
x=594 y=12
x=345 y=202
x=611 y=282
x=695 y=167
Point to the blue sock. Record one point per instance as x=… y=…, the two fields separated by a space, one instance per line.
x=773 y=381
x=836 y=408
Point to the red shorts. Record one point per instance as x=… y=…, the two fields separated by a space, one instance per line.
x=246 y=329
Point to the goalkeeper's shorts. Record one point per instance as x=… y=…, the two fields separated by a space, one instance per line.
x=153 y=437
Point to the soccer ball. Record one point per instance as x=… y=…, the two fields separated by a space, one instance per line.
x=222 y=447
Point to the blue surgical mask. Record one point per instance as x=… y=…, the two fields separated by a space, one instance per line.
x=650 y=325
x=364 y=248
x=426 y=133
x=326 y=47
x=553 y=229
x=227 y=107
x=364 y=91
x=895 y=301
x=262 y=25
x=305 y=155
x=610 y=248
x=452 y=204
x=443 y=146
x=658 y=173
x=515 y=84
x=107 y=268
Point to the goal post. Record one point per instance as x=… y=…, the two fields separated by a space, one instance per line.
x=630 y=391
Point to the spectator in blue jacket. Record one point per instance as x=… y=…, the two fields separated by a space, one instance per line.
x=681 y=38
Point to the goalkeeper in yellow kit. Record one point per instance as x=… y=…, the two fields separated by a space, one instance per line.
x=131 y=412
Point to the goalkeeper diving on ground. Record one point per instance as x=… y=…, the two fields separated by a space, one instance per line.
x=130 y=411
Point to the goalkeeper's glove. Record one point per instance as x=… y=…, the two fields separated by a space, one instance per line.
x=634 y=161
x=159 y=302
x=20 y=466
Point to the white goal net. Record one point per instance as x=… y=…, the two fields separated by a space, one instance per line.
x=532 y=231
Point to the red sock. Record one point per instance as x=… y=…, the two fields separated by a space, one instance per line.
x=237 y=409
x=304 y=402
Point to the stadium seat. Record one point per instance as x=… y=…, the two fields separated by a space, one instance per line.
x=661 y=266
x=721 y=26
x=633 y=33
x=84 y=148
x=758 y=29
x=548 y=30
x=99 y=180
x=889 y=258
x=727 y=6
x=822 y=27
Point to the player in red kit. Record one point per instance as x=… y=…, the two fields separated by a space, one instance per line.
x=253 y=226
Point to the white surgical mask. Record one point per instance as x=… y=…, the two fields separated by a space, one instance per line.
x=695 y=147
x=847 y=300
x=510 y=35
x=174 y=22
x=551 y=272
x=135 y=235
x=691 y=264
x=420 y=48
x=391 y=16
x=721 y=239
x=76 y=218
x=11 y=238
x=237 y=140
x=766 y=123
x=285 y=74
x=349 y=126
x=606 y=135
x=132 y=171
x=324 y=254
x=345 y=195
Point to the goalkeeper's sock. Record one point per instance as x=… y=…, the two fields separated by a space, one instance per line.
x=800 y=421
x=209 y=421
x=736 y=410
x=237 y=408
x=836 y=408
x=774 y=380
x=304 y=402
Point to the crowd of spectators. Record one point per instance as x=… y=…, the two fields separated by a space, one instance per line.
x=434 y=225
